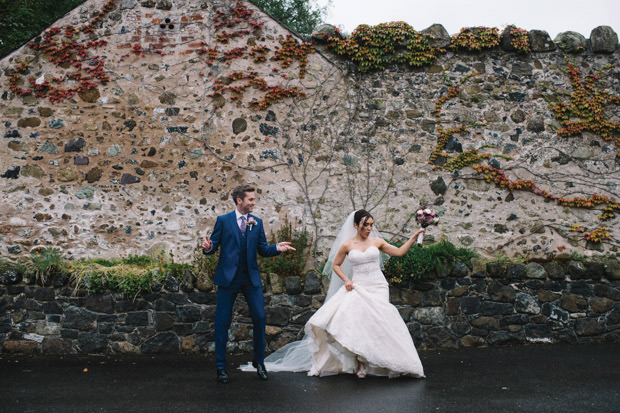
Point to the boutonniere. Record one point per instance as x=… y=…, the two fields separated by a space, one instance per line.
x=251 y=222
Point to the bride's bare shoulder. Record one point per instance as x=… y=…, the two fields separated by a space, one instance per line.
x=346 y=246
x=377 y=242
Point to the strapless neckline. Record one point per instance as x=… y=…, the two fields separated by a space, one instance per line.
x=363 y=252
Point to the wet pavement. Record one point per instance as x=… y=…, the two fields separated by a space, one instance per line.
x=539 y=378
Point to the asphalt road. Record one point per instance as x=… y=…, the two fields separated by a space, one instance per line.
x=537 y=378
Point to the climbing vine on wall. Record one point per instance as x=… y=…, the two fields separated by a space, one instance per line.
x=584 y=109
x=519 y=39
x=65 y=49
x=237 y=22
x=598 y=235
x=473 y=158
x=290 y=51
x=476 y=39
x=444 y=135
x=377 y=47
x=273 y=93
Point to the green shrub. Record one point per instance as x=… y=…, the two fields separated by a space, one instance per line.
x=291 y=263
x=176 y=269
x=205 y=264
x=420 y=263
x=46 y=263
x=165 y=266
x=132 y=284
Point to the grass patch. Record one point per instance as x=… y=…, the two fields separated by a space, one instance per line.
x=130 y=275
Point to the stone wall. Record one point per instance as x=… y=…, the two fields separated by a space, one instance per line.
x=574 y=302
x=145 y=161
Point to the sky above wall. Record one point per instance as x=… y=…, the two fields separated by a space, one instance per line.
x=553 y=16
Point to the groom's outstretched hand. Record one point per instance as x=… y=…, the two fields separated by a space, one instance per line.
x=207 y=244
x=284 y=246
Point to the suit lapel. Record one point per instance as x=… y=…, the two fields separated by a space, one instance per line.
x=234 y=228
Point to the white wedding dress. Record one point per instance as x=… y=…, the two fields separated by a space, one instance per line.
x=362 y=325
x=352 y=326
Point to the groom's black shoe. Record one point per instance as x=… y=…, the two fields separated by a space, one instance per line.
x=260 y=370
x=222 y=376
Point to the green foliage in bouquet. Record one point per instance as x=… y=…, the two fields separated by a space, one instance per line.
x=421 y=263
x=292 y=263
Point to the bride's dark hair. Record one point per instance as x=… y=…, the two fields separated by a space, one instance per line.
x=360 y=215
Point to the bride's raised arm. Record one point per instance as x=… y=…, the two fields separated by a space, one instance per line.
x=390 y=249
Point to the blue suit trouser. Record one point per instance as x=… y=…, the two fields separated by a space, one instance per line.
x=226 y=297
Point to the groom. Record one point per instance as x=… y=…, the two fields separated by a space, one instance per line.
x=241 y=236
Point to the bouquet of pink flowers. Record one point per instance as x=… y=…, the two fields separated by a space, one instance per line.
x=425 y=217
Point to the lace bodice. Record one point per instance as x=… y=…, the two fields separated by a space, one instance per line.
x=365 y=264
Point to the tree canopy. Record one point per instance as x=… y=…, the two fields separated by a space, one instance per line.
x=301 y=16
x=21 y=20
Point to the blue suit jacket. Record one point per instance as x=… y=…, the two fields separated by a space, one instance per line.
x=227 y=235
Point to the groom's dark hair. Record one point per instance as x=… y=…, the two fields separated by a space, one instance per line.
x=360 y=215
x=239 y=192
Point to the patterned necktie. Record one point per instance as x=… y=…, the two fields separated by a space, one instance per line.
x=242 y=225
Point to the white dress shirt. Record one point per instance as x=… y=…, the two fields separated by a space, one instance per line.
x=239 y=215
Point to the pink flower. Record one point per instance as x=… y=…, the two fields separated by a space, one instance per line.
x=251 y=222
x=426 y=216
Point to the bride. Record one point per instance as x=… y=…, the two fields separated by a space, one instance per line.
x=357 y=330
